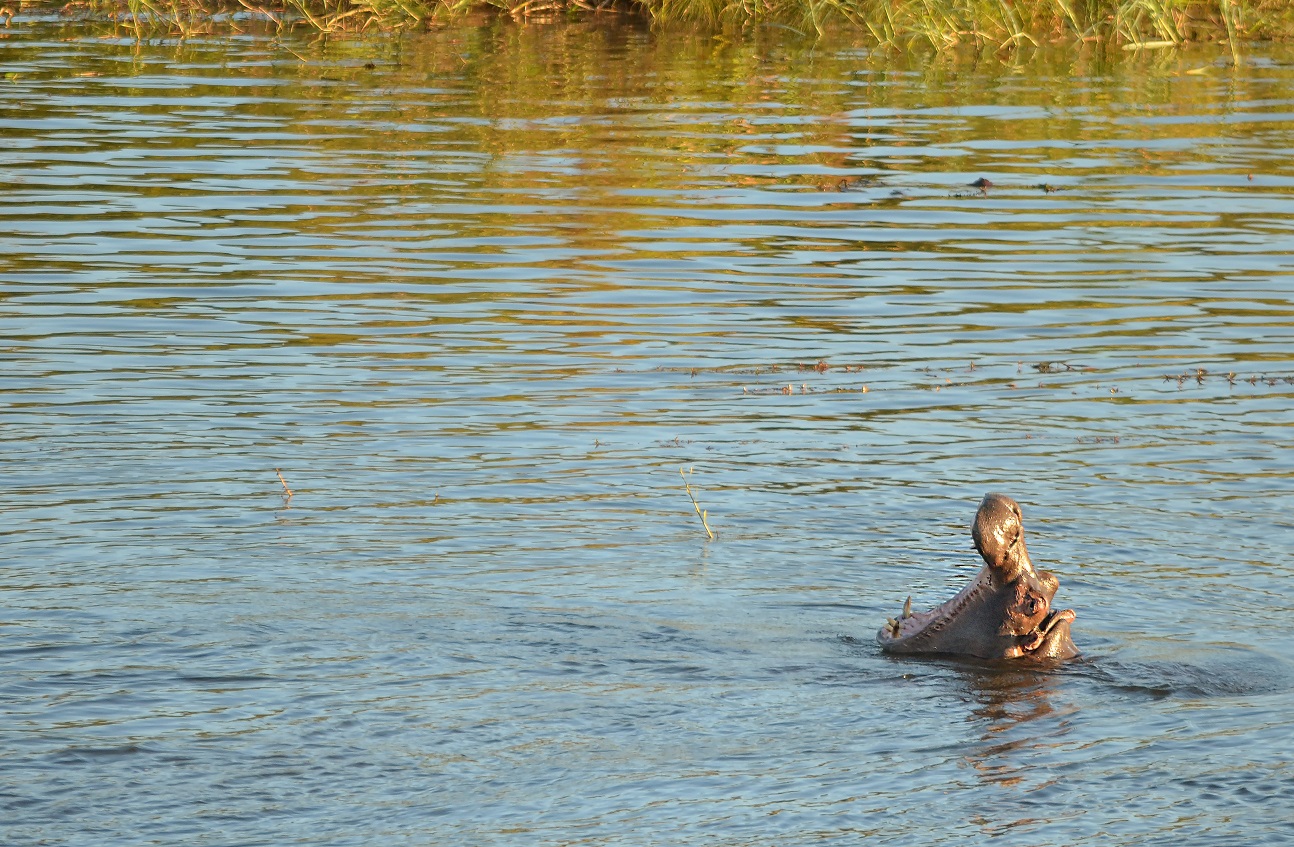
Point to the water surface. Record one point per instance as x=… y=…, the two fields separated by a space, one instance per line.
x=479 y=295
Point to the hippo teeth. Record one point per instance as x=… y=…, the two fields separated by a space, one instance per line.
x=918 y=625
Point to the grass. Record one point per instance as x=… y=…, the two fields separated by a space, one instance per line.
x=938 y=24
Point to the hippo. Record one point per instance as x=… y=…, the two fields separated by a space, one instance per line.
x=1005 y=613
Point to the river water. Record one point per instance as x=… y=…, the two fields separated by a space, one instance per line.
x=480 y=295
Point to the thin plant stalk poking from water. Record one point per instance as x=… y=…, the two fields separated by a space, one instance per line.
x=288 y=495
x=703 y=514
x=1230 y=10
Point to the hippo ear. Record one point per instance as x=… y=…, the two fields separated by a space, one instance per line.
x=999 y=536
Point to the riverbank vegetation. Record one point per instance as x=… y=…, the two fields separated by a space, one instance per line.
x=939 y=24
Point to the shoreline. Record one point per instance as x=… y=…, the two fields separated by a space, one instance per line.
x=890 y=24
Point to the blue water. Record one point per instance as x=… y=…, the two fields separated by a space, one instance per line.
x=480 y=303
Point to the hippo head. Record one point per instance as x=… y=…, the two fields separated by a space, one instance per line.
x=1006 y=611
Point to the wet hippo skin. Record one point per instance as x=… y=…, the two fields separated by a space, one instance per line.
x=1004 y=613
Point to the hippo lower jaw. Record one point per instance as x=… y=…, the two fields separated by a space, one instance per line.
x=1051 y=639
x=968 y=624
x=1004 y=613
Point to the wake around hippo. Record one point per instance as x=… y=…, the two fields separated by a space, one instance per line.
x=1005 y=613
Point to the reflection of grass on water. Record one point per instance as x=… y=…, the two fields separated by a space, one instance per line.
x=891 y=23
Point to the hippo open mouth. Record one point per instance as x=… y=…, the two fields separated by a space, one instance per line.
x=1005 y=612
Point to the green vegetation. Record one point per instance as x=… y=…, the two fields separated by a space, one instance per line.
x=939 y=24
x=946 y=23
